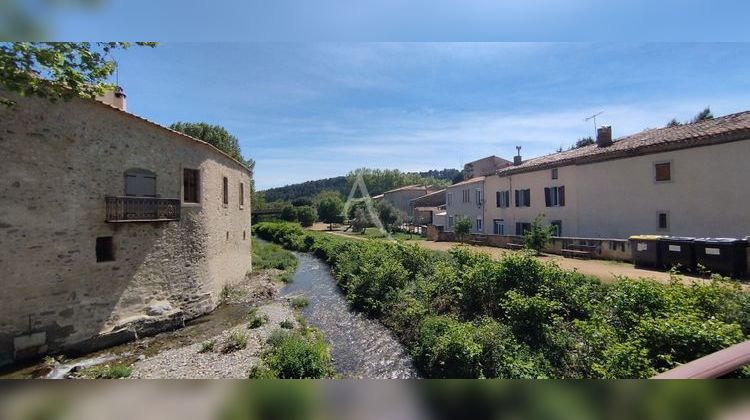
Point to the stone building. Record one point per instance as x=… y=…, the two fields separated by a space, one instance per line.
x=111 y=226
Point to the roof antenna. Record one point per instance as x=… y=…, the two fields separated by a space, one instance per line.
x=593 y=117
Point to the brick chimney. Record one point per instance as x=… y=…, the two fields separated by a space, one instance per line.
x=115 y=97
x=604 y=136
x=517 y=158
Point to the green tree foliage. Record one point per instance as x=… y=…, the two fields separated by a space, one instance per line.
x=360 y=221
x=215 y=135
x=307 y=215
x=462 y=314
x=583 y=142
x=462 y=227
x=289 y=213
x=390 y=216
x=703 y=115
x=307 y=190
x=538 y=234
x=380 y=180
x=58 y=70
x=330 y=207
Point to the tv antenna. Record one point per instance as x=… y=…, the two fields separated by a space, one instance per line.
x=593 y=117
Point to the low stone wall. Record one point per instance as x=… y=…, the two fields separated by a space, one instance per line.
x=605 y=248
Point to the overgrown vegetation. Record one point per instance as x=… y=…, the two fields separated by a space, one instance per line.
x=254 y=320
x=462 y=314
x=538 y=234
x=300 y=302
x=266 y=256
x=295 y=355
x=236 y=340
x=207 y=346
x=107 y=371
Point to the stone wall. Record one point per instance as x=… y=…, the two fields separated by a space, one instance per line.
x=59 y=162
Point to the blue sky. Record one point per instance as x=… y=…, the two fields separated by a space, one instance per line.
x=314 y=110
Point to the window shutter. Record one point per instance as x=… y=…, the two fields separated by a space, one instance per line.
x=518 y=198
x=561 y=191
x=518 y=228
x=497 y=198
x=528 y=197
x=507 y=198
x=547 y=198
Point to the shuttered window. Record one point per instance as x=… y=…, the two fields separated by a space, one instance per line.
x=226 y=191
x=554 y=196
x=523 y=198
x=663 y=221
x=190 y=185
x=140 y=183
x=502 y=198
x=663 y=172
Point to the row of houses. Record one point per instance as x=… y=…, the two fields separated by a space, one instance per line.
x=688 y=180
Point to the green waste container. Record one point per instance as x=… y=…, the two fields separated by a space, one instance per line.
x=726 y=256
x=645 y=250
x=677 y=250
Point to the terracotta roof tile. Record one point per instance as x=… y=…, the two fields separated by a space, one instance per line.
x=719 y=130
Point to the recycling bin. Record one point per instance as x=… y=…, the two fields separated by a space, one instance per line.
x=645 y=250
x=727 y=256
x=677 y=250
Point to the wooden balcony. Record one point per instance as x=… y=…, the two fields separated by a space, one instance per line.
x=142 y=209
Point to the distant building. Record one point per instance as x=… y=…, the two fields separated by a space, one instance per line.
x=485 y=166
x=465 y=199
x=401 y=197
x=111 y=226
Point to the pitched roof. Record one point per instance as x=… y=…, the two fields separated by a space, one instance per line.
x=434 y=198
x=409 y=187
x=719 y=130
x=144 y=120
x=468 y=181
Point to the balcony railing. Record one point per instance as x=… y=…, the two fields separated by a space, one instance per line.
x=142 y=209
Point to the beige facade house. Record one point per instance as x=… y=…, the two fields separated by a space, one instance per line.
x=466 y=200
x=688 y=180
x=401 y=197
x=485 y=166
x=111 y=227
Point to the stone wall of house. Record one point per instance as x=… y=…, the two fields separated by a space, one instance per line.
x=59 y=162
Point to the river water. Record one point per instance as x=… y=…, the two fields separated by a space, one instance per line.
x=360 y=347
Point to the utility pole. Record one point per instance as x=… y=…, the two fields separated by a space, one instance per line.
x=593 y=117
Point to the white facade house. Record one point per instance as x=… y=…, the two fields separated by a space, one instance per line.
x=689 y=180
x=466 y=199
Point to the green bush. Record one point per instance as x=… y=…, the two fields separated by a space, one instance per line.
x=256 y=321
x=307 y=215
x=237 y=340
x=300 y=302
x=462 y=314
x=296 y=355
x=207 y=346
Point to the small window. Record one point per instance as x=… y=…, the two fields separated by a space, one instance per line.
x=478 y=196
x=242 y=195
x=104 y=249
x=663 y=172
x=556 y=227
x=498 y=227
x=190 y=185
x=226 y=191
x=244 y=235
x=227 y=235
x=554 y=173
x=450 y=221
x=479 y=225
x=663 y=222
x=449 y=199
x=523 y=198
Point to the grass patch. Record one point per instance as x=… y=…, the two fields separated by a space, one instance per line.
x=295 y=355
x=229 y=293
x=375 y=233
x=117 y=371
x=270 y=255
x=255 y=320
x=300 y=302
x=207 y=346
x=237 y=340
x=286 y=324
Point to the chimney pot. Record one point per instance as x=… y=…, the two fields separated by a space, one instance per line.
x=604 y=136
x=115 y=98
x=517 y=158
